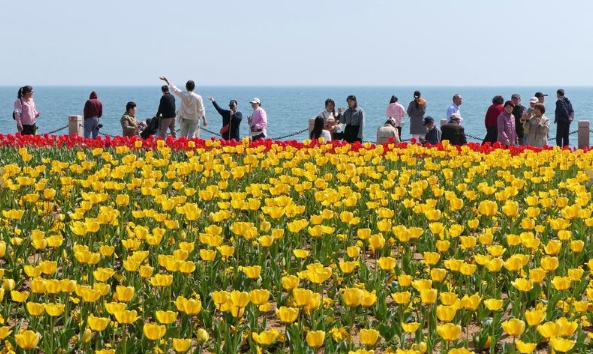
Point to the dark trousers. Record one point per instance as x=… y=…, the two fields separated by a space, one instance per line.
x=258 y=137
x=491 y=134
x=562 y=130
x=399 y=132
x=29 y=129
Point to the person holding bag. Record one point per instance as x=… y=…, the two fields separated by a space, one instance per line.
x=25 y=113
x=231 y=120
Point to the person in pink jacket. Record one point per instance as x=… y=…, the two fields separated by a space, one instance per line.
x=507 y=134
x=25 y=113
x=258 y=121
x=396 y=112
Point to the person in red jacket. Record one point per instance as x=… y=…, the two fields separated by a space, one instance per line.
x=495 y=109
x=93 y=110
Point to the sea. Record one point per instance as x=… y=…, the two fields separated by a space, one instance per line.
x=289 y=108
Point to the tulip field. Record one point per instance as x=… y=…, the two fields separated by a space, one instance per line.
x=193 y=246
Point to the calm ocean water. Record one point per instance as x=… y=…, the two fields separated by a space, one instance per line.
x=288 y=108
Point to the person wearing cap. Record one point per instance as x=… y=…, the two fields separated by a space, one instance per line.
x=537 y=127
x=231 y=119
x=491 y=119
x=453 y=131
x=396 y=112
x=258 y=121
x=563 y=116
x=166 y=113
x=353 y=118
x=433 y=134
x=507 y=134
x=518 y=112
x=416 y=110
x=540 y=96
x=190 y=110
x=455 y=106
x=526 y=116
x=387 y=132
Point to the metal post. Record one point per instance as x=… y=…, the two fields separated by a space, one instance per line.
x=583 y=134
x=75 y=125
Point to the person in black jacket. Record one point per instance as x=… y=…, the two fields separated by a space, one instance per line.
x=231 y=120
x=166 y=113
x=563 y=116
x=453 y=131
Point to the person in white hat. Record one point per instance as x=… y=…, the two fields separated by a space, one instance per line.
x=258 y=121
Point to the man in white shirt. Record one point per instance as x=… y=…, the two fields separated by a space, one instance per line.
x=191 y=109
x=454 y=108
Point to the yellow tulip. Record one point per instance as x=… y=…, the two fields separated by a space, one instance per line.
x=126 y=316
x=431 y=258
x=240 y=298
x=369 y=298
x=446 y=313
x=348 y=267
x=575 y=274
x=438 y=274
x=259 y=296
x=18 y=296
x=98 y=324
x=54 y=310
x=113 y=307
x=166 y=317
x=493 y=304
x=315 y=339
x=207 y=255
x=561 y=344
x=422 y=284
x=353 y=251
x=35 y=309
x=181 y=345
x=448 y=298
x=537 y=275
x=289 y=282
x=401 y=298
x=266 y=337
x=287 y=314
x=376 y=242
x=566 y=327
x=428 y=296
x=252 y=272
x=561 y=283
x=404 y=280
x=410 y=327
x=124 y=293
x=525 y=348
x=4 y=332
x=549 y=329
x=535 y=317
x=153 y=331
x=522 y=284
x=27 y=340
x=369 y=337
x=449 y=331
x=352 y=296
x=386 y=263
x=202 y=336
x=514 y=327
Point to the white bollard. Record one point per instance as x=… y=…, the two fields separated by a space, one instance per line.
x=443 y=122
x=75 y=126
x=583 y=134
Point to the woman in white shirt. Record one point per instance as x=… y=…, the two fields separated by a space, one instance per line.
x=319 y=130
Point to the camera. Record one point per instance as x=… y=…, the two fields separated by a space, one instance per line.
x=99 y=126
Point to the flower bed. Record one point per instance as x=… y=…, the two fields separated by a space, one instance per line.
x=127 y=246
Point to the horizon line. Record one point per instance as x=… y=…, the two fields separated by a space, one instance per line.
x=313 y=85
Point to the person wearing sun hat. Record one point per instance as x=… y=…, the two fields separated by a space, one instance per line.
x=507 y=135
x=258 y=121
x=453 y=131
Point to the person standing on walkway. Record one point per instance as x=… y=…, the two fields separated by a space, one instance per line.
x=258 y=121
x=507 y=134
x=93 y=110
x=491 y=119
x=25 y=113
x=353 y=118
x=416 y=111
x=455 y=106
x=537 y=127
x=396 y=112
x=191 y=109
x=166 y=113
x=563 y=116
x=540 y=97
x=231 y=119
x=518 y=112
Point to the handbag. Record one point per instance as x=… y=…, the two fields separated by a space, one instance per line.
x=227 y=127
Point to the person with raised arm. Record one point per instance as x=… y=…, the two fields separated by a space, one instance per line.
x=231 y=120
x=190 y=110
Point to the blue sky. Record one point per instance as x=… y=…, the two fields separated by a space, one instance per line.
x=275 y=42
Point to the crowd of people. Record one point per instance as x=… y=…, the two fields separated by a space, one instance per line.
x=507 y=122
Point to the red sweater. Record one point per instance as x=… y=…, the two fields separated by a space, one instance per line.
x=492 y=115
x=93 y=107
